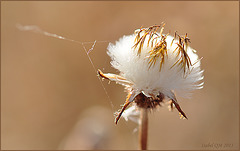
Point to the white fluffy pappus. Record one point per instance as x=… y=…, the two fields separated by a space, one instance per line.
x=150 y=80
x=132 y=114
x=154 y=66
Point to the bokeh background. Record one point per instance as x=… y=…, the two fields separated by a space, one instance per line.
x=51 y=97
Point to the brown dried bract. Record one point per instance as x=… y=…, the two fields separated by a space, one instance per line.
x=143 y=101
x=159 y=50
x=159 y=46
x=182 y=46
x=150 y=31
x=158 y=42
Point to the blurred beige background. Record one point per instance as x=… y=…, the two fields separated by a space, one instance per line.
x=52 y=99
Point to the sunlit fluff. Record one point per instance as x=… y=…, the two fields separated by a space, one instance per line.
x=132 y=114
x=155 y=65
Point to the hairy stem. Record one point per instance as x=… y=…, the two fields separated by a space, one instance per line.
x=143 y=129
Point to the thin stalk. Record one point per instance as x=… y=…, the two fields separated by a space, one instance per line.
x=143 y=129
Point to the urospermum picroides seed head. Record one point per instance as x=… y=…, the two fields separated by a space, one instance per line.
x=153 y=67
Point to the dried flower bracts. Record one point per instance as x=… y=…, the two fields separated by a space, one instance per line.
x=153 y=67
x=157 y=40
x=159 y=46
x=184 y=60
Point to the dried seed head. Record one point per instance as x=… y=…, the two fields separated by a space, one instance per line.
x=154 y=66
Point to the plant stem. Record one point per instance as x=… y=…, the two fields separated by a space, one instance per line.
x=143 y=129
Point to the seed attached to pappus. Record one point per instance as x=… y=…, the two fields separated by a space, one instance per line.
x=154 y=67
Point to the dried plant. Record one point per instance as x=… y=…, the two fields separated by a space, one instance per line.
x=153 y=66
